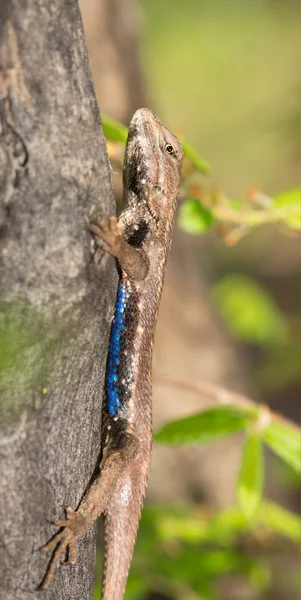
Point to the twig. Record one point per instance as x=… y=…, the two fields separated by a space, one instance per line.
x=254 y=217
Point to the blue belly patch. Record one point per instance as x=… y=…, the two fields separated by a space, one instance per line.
x=117 y=347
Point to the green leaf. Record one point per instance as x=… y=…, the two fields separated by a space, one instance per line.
x=198 y=162
x=249 y=312
x=114 y=130
x=290 y=201
x=208 y=426
x=281 y=521
x=195 y=218
x=285 y=441
x=250 y=480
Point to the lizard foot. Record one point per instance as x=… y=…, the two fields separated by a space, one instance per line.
x=66 y=539
x=110 y=231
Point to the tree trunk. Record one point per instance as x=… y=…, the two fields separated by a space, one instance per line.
x=56 y=298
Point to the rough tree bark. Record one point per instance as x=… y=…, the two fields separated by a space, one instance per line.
x=56 y=299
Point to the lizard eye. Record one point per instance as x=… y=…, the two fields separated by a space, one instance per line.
x=169 y=149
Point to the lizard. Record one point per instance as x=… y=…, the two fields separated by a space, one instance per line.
x=140 y=241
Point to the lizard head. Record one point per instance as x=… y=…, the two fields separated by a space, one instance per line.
x=152 y=169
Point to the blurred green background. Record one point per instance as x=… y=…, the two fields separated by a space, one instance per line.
x=226 y=74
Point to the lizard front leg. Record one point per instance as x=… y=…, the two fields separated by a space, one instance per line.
x=132 y=260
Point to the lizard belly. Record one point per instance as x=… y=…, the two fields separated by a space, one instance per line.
x=120 y=368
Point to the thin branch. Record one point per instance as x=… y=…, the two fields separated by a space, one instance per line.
x=252 y=218
x=224 y=396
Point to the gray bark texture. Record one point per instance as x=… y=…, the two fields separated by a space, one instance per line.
x=56 y=295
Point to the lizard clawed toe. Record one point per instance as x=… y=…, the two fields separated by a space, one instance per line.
x=103 y=225
x=73 y=555
x=110 y=231
x=64 y=540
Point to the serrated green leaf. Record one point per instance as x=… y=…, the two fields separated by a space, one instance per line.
x=114 y=130
x=194 y=218
x=208 y=426
x=291 y=202
x=250 y=480
x=285 y=441
x=249 y=312
x=280 y=520
x=198 y=162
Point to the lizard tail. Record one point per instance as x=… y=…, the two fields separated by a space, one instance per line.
x=121 y=520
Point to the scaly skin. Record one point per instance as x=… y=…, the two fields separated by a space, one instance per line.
x=140 y=241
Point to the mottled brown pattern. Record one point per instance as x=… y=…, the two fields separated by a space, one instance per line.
x=152 y=175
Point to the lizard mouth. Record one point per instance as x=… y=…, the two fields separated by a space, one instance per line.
x=157 y=191
x=151 y=212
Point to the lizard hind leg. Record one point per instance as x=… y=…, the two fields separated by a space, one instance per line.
x=92 y=506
